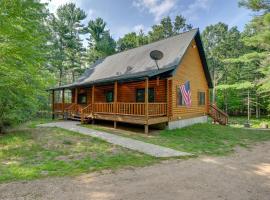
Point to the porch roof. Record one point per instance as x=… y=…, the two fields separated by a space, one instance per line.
x=136 y=64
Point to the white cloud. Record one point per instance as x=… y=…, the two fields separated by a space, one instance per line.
x=118 y=32
x=194 y=8
x=138 y=27
x=54 y=4
x=158 y=8
x=240 y=17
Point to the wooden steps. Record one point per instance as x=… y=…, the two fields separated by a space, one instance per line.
x=218 y=115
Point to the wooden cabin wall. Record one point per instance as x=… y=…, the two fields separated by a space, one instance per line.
x=191 y=69
x=126 y=91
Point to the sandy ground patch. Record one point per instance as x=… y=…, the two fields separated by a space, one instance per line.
x=241 y=176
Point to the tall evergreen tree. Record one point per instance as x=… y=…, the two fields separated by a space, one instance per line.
x=257 y=37
x=101 y=43
x=68 y=51
x=23 y=56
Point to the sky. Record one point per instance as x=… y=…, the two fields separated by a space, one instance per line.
x=124 y=16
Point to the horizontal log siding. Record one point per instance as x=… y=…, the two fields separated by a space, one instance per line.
x=190 y=69
x=169 y=89
x=127 y=91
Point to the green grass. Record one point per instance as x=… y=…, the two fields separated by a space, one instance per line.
x=33 y=123
x=200 y=139
x=33 y=153
x=255 y=123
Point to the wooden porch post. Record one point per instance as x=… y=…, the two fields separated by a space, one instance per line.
x=93 y=102
x=76 y=96
x=115 y=102
x=53 y=116
x=146 y=105
x=168 y=97
x=167 y=93
x=63 y=102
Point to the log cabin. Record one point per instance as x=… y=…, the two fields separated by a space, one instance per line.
x=131 y=87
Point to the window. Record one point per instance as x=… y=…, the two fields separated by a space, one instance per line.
x=68 y=96
x=201 y=100
x=140 y=95
x=109 y=96
x=82 y=98
x=180 y=99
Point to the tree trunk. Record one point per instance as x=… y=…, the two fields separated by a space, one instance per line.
x=214 y=88
x=226 y=100
x=248 y=106
x=257 y=107
x=60 y=77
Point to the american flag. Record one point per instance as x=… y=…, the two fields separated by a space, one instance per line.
x=186 y=93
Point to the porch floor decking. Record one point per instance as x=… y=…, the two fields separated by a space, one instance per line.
x=143 y=147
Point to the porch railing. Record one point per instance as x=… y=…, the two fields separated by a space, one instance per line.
x=157 y=109
x=130 y=109
x=119 y=108
x=103 y=107
x=58 y=107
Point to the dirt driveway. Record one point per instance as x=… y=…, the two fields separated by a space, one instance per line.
x=243 y=175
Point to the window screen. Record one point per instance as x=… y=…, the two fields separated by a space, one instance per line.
x=180 y=99
x=140 y=95
x=109 y=96
x=82 y=98
x=201 y=100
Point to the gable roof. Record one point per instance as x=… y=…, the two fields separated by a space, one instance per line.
x=137 y=64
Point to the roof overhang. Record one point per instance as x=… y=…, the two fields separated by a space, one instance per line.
x=124 y=78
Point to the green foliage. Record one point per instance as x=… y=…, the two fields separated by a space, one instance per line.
x=255 y=123
x=101 y=44
x=257 y=37
x=96 y=29
x=255 y=5
x=23 y=55
x=67 y=52
x=129 y=41
x=165 y=29
x=43 y=152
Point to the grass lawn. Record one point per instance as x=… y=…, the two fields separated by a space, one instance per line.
x=255 y=123
x=200 y=139
x=31 y=153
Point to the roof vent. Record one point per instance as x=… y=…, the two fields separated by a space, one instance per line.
x=129 y=68
x=156 y=55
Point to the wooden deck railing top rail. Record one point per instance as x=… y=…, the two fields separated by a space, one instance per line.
x=120 y=108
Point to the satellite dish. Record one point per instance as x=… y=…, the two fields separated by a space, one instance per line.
x=156 y=55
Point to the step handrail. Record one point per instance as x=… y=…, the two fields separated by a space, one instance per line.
x=219 y=110
x=216 y=113
x=69 y=108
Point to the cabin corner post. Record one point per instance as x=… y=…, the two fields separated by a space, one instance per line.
x=115 y=103
x=93 y=102
x=146 y=105
x=168 y=96
x=53 y=116
x=63 y=103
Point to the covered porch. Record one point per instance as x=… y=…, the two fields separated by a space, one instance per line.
x=141 y=102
